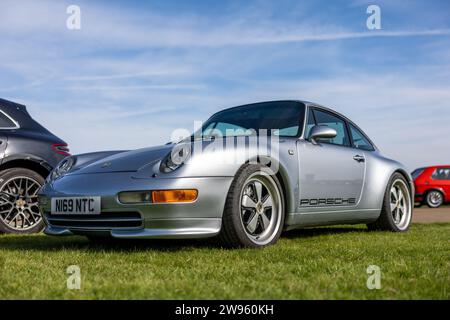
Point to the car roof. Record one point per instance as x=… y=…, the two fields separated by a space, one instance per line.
x=306 y=103
x=438 y=166
x=18 y=112
x=10 y=106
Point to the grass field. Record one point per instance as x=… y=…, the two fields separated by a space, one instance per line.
x=325 y=263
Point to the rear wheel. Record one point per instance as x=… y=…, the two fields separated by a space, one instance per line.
x=396 y=213
x=434 y=199
x=19 y=210
x=254 y=209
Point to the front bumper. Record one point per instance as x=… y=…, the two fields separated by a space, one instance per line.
x=198 y=219
x=159 y=229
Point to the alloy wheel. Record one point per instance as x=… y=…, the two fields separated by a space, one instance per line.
x=261 y=208
x=435 y=199
x=19 y=208
x=400 y=204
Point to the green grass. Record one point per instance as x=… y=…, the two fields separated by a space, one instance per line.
x=324 y=263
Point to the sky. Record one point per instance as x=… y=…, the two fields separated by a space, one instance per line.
x=137 y=70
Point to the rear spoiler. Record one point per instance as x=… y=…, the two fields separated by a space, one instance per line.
x=19 y=113
x=12 y=108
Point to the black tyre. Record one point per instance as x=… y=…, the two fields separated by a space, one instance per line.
x=396 y=213
x=254 y=209
x=19 y=211
x=434 y=199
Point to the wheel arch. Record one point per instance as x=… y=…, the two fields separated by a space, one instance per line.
x=379 y=173
x=441 y=190
x=281 y=173
x=407 y=177
x=39 y=166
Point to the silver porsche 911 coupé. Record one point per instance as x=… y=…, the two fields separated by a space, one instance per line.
x=245 y=175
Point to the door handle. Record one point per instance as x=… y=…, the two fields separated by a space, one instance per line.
x=359 y=158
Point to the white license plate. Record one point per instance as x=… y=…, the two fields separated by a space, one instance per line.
x=76 y=205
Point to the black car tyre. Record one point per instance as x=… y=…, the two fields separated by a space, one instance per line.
x=254 y=209
x=19 y=210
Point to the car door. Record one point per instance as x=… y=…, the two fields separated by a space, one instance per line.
x=331 y=172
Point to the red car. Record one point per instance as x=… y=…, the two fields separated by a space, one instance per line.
x=432 y=185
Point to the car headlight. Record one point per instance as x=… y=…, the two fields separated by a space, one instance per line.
x=175 y=159
x=62 y=168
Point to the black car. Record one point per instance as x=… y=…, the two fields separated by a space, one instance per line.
x=28 y=152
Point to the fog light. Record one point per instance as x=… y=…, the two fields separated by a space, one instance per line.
x=135 y=197
x=170 y=196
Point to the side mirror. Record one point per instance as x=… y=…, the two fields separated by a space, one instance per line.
x=321 y=132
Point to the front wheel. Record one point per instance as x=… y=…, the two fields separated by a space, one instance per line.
x=19 y=210
x=254 y=209
x=396 y=213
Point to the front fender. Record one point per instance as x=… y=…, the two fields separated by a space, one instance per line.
x=219 y=161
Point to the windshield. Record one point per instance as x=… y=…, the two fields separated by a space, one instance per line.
x=283 y=118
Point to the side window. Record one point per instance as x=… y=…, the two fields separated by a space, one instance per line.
x=332 y=121
x=6 y=122
x=359 y=140
x=310 y=124
x=441 y=174
x=289 y=132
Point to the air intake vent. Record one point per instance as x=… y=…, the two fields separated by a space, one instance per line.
x=105 y=220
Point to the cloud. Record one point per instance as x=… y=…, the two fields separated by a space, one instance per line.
x=131 y=76
x=113 y=27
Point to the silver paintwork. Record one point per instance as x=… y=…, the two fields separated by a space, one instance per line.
x=306 y=170
x=323 y=132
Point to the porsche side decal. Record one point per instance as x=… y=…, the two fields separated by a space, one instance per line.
x=327 y=202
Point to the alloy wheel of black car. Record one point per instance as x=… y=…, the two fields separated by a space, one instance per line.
x=19 y=210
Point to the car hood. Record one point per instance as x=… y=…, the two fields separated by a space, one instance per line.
x=127 y=161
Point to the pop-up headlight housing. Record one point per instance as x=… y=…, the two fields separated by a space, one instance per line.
x=176 y=158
